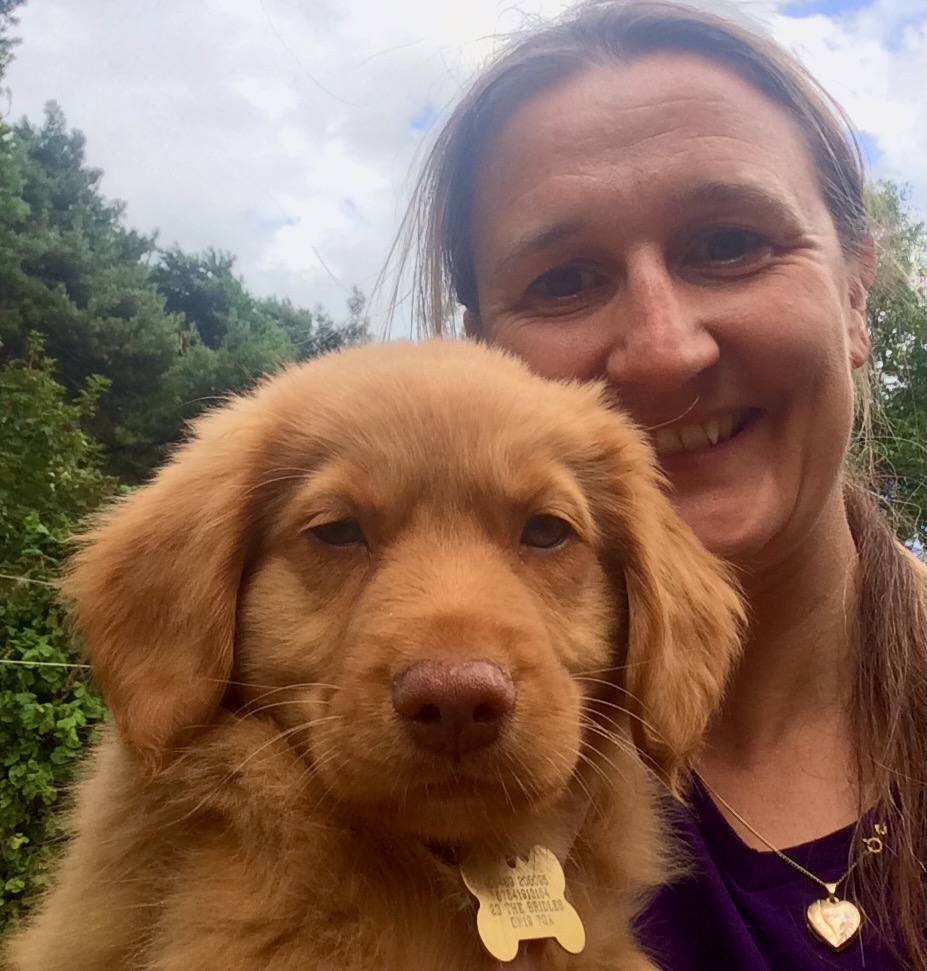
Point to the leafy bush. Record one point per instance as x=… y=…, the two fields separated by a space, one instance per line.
x=49 y=477
x=898 y=323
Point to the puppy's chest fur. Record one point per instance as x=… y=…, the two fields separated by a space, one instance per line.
x=232 y=859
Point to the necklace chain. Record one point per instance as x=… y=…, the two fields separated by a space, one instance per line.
x=873 y=845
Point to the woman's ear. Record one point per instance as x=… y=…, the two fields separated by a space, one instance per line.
x=155 y=582
x=685 y=618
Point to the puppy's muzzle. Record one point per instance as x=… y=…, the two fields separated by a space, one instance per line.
x=450 y=708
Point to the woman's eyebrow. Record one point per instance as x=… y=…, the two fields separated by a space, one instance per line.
x=536 y=241
x=746 y=195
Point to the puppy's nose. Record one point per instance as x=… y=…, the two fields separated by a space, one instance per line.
x=453 y=707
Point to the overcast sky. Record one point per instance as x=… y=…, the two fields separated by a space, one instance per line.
x=286 y=131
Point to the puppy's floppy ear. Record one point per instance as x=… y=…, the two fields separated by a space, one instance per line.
x=685 y=619
x=155 y=584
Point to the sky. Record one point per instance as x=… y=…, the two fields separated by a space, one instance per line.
x=288 y=132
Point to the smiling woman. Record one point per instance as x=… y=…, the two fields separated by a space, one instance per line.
x=651 y=196
x=636 y=220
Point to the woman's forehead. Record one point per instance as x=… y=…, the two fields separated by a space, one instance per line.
x=668 y=127
x=633 y=106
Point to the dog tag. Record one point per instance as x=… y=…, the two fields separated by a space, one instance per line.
x=522 y=899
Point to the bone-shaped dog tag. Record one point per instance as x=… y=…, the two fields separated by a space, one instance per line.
x=521 y=899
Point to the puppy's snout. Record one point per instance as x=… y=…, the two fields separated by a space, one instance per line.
x=453 y=707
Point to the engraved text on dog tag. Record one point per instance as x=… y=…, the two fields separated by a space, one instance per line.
x=522 y=899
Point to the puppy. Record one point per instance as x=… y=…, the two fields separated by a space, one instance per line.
x=401 y=608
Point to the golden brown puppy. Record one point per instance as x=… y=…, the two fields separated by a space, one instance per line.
x=398 y=606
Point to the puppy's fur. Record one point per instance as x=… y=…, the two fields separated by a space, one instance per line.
x=260 y=803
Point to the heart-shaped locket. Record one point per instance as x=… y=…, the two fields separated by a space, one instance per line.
x=835 y=922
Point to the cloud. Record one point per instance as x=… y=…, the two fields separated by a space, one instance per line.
x=871 y=59
x=288 y=132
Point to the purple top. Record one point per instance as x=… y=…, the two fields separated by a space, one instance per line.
x=742 y=909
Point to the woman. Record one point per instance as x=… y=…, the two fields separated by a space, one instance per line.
x=654 y=196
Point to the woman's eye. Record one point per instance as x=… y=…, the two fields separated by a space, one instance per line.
x=545 y=532
x=562 y=283
x=342 y=532
x=727 y=246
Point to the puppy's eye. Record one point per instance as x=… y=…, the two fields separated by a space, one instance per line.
x=545 y=532
x=343 y=532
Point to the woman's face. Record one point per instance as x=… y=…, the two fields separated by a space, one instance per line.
x=660 y=225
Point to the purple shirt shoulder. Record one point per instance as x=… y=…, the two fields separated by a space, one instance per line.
x=741 y=909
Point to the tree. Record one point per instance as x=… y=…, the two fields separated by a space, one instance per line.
x=314 y=332
x=7 y=20
x=204 y=290
x=171 y=331
x=72 y=272
x=49 y=477
x=897 y=312
x=230 y=338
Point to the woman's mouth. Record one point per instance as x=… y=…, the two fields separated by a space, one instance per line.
x=698 y=436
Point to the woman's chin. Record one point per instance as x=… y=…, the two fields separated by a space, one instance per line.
x=734 y=528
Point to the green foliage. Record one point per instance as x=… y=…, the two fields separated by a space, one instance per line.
x=898 y=324
x=49 y=477
x=7 y=20
x=204 y=290
x=170 y=330
x=314 y=332
x=227 y=339
x=73 y=273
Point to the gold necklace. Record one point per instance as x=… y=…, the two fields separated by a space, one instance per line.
x=832 y=921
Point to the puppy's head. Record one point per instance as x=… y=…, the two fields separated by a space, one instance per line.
x=425 y=567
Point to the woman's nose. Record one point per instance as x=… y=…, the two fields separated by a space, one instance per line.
x=661 y=341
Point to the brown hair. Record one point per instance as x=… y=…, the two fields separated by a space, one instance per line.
x=889 y=703
x=889 y=708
